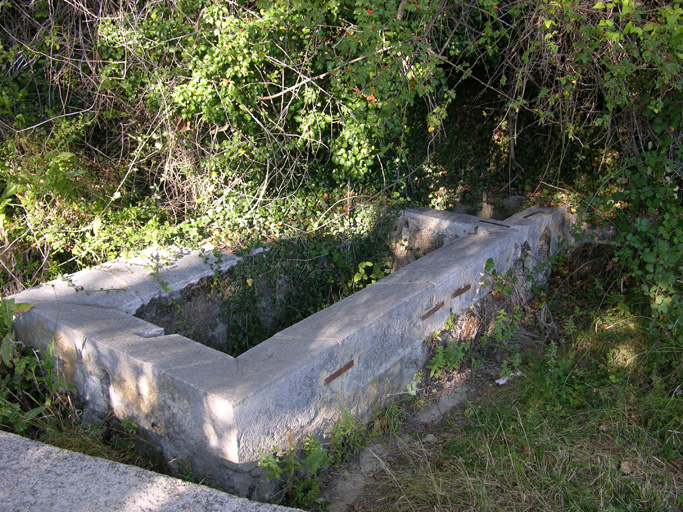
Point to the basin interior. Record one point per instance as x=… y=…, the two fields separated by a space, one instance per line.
x=266 y=291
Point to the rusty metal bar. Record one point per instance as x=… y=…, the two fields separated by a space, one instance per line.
x=460 y=291
x=339 y=372
x=432 y=311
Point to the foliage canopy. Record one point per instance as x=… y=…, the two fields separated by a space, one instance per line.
x=130 y=123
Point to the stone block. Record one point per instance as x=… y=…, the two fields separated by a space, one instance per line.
x=332 y=360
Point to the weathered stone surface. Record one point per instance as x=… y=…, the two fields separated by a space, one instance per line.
x=450 y=224
x=455 y=271
x=167 y=383
x=349 y=355
x=40 y=478
x=127 y=285
x=423 y=230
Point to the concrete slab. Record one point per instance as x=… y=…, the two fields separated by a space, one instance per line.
x=126 y=285
x=40 y=478
x=171 y=385
x=451 y=224
x=423 y=230
x=189 y=269
x=342 y=357
x=455 y=271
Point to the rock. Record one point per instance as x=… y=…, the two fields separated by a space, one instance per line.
x=429 y=439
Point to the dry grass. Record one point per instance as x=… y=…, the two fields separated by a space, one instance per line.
x=510 y=462
x=591 y=425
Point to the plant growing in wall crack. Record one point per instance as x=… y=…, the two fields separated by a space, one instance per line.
x=348 y=437
x=448 y=358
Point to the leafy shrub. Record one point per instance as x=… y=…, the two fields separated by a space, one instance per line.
x=27 y=384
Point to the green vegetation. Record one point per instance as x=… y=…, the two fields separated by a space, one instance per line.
x=290 y=279
x=23 y=387
x=298 y=470
x=594 y=421
x=304 y=125
x=35 y=402
x=149 y=123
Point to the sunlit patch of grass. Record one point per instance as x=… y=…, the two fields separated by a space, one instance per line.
x=500 y=456
x=592 y=425
x=619 y=339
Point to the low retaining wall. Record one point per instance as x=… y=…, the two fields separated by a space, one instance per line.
x=215 y=411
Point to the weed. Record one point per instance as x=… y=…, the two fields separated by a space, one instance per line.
x=448 y=358
x=388 y=419
x=27 y=386
x=298 y=469
x=412 y=387
x=501 y=284
x=503 y=328
x=348 y=437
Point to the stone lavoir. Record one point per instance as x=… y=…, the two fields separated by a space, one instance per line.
x=216 y=412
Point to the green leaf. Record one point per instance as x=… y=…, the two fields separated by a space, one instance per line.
x=7 y=350
x=33 y=413
x=6 y=314
x=10 y=190
x=648 y=257
x=64 y=155
x=630 y=29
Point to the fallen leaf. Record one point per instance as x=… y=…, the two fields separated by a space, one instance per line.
x=370 y=98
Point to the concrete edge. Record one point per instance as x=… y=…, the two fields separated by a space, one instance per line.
x=41 y=478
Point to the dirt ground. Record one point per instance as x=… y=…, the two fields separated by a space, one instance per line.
x=349 y=487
